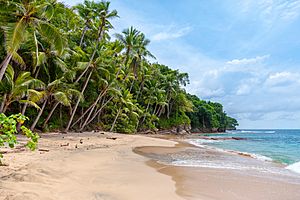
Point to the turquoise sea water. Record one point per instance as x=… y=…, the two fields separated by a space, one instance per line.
x=277 y=145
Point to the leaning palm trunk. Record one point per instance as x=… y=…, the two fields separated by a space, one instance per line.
x=4 y=65
x=98 y=111
x=131 y=86
x=154 y=111
x=99 y=39
x=114 y=123
x=50 y=115
x=3 y=102
x=92 y=109
x=39 y=115
x=82 y=35
x=77 y=103
x=82 y=116
x=146 y=112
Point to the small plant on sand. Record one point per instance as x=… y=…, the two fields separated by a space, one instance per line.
x=8 y=131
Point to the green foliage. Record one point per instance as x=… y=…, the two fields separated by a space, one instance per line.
x=8 y=131
x=209 y=115
x=62 y=68
x=182 y=119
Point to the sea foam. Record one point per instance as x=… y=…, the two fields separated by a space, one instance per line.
x=294 y=167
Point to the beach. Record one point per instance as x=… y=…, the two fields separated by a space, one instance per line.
x=117 y=166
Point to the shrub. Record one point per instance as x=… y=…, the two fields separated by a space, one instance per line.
x=8 y=131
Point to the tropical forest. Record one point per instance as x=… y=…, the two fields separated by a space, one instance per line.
x=64 y=69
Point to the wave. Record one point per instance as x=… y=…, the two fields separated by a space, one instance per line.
x=294 y=167
x=225 y=165
x=257 y=131
x=202 y=143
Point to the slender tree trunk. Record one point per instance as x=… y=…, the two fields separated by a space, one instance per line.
x=4 y=65
x=81 y=116
x=92 y=109
x=131 y=86
x=3 y=102
x=39 y=115
x=60 y=116
x=100 y=36
x=77 y=103
x=81 y=121
x=5 y=107
x=154 y=111
x=160 y=112
x=99 y=110
x=50 y=114
x=146 y=112
x=82 y=35
x=114 y=123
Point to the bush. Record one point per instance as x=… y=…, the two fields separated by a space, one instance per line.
x=8 y=131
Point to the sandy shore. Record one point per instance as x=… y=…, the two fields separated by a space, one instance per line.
x=90 y=166
x=195 y=183
x=99 y=168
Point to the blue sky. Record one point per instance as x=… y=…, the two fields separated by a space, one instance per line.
x=241 y=53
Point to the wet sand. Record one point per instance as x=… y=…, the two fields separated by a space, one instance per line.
x=213 y=184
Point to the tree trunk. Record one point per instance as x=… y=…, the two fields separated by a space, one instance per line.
x=82 y=35
x=94 y=52
x=92 y=109
x=160 y=112
x=23 y=113
x=5 y=107
x=77 y=103
x=99 y=110
x=38 y=116
x=50 y=114
x=131 y=86
x=4 y=65
x=146 y=112
x=154 y=111
x=114 y=123
x=3 y=103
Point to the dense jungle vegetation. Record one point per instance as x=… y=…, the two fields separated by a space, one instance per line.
x=63 y=68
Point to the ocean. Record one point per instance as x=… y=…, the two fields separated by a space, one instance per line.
x=276 y=146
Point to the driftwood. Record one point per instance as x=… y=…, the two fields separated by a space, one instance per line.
x=44 y=150
x=64 y=145
x=111 y=138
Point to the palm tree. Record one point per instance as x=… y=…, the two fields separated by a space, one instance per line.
x=61 y=92
x=32 y=18
x=104 y=16
x=20 y=87
x=129 y=39
x=124 y=102
x=87 y=12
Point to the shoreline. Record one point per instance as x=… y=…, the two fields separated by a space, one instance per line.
x=214 y=183
x=115 y=166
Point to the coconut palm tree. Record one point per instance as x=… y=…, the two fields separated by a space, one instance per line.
x=32 y=18
x=123 y=103
x=104 y=16
x=87 y=12
x=16 y=88
x=61 y=92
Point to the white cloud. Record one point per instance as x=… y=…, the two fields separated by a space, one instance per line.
x=282 y=79
x=247 y=61
x=272 y=11
x=171 y=33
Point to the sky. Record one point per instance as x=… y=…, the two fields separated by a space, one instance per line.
x=244 y=54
